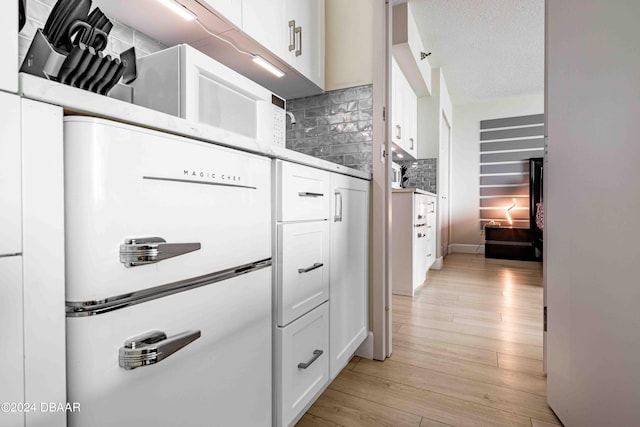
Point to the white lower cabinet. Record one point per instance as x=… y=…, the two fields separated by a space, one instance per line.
x=11 y=342
x=349 y=281
x=413 y=239
x=10 y=175
x=302 y=363
x=302 y=268
x=321 y=259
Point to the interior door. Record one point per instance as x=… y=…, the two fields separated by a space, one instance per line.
x=443 y=180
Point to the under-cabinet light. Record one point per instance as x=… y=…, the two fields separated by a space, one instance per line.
x=267 y=66
x=179 y=9
x=400 y=155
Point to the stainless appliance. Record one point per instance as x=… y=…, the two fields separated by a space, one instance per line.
x=168 y=279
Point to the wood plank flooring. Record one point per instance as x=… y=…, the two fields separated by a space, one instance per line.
x=467 y=351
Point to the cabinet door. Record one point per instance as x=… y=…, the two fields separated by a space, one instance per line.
x=265 y=22
x=396 y=103
x=303 y=193
x=9 y=46
x=11 y=341
x=410 y=116
x=10 y=171
x=302 y=365
x=348 y=284
x=231 y=10
x=308 y=54
x=302 y=268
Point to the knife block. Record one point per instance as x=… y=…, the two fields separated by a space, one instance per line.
x=42 y=59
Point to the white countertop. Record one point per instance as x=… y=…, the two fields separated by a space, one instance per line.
x=414 y=190
x=75 y=100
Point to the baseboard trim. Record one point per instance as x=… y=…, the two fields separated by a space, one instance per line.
x=466 y=249
x=437 y=264
x=366 y=348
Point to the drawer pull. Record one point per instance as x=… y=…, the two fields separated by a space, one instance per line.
x=316 y=354
x=152 y=348
x=308 y=269
x=308 y=194
x=420 y=225
x=421 y=235
x=421 y=217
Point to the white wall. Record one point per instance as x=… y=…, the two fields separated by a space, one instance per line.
x=348 y=43
x=592 y=180
x=429 y=115
x=465 y=162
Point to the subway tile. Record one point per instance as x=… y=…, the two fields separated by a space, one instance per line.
x=354 y=148
x=316 y=111
x=344 y=107
x=365 y=125
x=365 y=115
x=343 y=127
x=146 y=43
x=365 y=104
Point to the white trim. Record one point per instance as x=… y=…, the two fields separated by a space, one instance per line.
x=437 y=264
x=366 y=348
x=466 y=249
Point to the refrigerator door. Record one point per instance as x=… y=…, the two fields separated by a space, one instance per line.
x=128 y=188
x=223 y=378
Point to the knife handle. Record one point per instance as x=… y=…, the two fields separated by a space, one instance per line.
x=70 y=63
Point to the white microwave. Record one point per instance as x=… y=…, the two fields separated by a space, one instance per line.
x=185 y=82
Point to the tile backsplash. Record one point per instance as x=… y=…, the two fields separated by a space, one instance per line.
x=336 y=126
x=421 y=173
x=121 y=37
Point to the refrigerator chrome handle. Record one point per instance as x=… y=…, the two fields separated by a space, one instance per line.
x=338 y=215
x=316 y=354
x=155 y=348
x=292 y=36
x=308 y=269
x=148 y=250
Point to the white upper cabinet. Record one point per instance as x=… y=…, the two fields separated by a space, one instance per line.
x=293 y=30
x=264 y=21
x=409 y=50
x=9 y=46
x=231 y=10
x=307 y=20
x=404 y=112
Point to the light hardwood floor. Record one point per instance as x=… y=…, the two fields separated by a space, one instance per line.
x=467 y=351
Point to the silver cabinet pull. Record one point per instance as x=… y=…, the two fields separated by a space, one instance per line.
x=420 y=225
x=308 y=269
x=420 y=235
x=398 y=132
x=411 y=143
x=152 y=347
x=338 y=212
x=309 y=194
x=292 y=41
x=420 y=216
x=316 y=354
x=433 y=206
x=148 y=250
x=298 y=32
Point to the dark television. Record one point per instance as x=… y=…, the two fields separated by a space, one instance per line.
x=536 y=205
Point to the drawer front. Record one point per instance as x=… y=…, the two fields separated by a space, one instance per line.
x=302 y=268
x=10 y=176
x=302 y=371
x=420 y=248
x=304 y=192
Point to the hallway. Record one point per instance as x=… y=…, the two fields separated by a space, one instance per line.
x=467 y=350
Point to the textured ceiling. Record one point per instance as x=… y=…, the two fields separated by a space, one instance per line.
x=487 y=49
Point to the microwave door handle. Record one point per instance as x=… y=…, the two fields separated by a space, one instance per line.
x=149 y=250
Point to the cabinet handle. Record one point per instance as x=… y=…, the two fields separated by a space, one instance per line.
x=398 y=131
x=338 y=212
x=152 y=347
x=298 y=32
x=316 y=354
x=309 y=194
x=433 y=207
x=308 y=269
x=420 y=235
x=420 y=216
x=411 y=143
x=420 y=225
x=292 y=39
